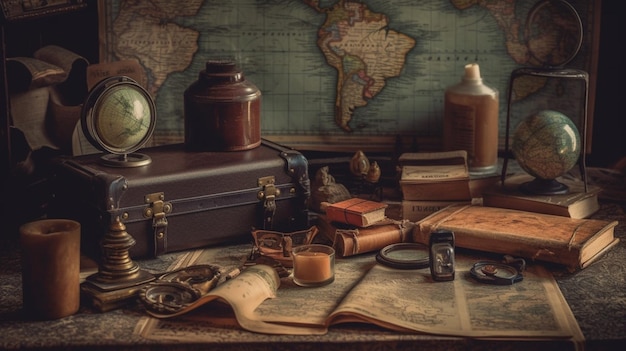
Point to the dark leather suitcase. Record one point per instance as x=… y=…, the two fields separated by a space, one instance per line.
x=182 y=199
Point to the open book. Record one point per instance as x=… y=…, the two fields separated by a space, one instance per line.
x=400 y=300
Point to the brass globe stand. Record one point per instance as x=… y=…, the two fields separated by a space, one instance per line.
x=118 y=118
x=119 y=278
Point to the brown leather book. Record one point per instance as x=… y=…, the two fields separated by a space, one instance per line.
x=435 y=183
x=572 y=242
x=356 y=211
x=575 y=204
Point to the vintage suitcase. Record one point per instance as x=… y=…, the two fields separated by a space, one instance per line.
x=182 y=199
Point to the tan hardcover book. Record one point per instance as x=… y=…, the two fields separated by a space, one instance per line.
x=439 y=175
x=415 y=210
x=357 y=212
x=435 y=182
x=349 y=240
x=572 y=242
x=575 y=204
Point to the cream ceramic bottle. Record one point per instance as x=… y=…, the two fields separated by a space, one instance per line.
x=471 y=121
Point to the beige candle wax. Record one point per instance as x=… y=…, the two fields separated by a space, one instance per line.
x=313 y=265
x=50 y=268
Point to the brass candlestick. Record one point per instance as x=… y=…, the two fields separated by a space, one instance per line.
x=119 y=278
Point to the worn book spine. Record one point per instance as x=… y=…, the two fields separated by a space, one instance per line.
x=415 y=210
x=456 y=190
x=356 y=211
x=567 y=241
x=578 y=205
x=434 y=173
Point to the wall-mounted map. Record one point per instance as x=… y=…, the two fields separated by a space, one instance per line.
x=344 y=74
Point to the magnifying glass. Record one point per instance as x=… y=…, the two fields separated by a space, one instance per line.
x=404 y=256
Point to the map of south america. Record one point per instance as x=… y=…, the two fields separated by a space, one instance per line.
x=359 y=44
x=145 y=31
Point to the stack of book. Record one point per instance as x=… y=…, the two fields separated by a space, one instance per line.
x=432 y=181
x=358 y=225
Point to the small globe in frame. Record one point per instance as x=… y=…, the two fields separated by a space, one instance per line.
x=118 y=118
x=546 y=145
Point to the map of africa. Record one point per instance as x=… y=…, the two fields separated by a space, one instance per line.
x=342 y=72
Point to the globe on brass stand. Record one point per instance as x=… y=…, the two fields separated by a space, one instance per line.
x=119 y=278
x=547 y=143
x=118 y=118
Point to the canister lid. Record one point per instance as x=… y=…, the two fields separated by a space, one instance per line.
x=222 y=71
x=223 y=81
x=220 y=66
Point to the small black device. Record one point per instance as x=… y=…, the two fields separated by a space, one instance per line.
x=441 y=258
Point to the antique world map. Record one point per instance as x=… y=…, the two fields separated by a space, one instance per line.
x=341 y=73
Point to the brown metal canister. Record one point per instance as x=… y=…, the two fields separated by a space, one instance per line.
x=222 y=110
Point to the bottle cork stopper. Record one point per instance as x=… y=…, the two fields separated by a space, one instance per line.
x=472 y=71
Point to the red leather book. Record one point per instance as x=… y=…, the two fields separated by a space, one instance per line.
x=357 y=212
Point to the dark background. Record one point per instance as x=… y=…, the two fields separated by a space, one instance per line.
x=609 y=129
x=79 y=33
x=24 y=198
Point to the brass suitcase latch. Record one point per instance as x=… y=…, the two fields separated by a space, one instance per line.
x=268 y=194
x=157 y=209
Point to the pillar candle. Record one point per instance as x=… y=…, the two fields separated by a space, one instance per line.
x=50 y=268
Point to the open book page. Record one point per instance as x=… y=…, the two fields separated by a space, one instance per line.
x=410 y=300
x=404 y=300
x=312 y=306
x=61 y=57
x=292 y=304
x=26 y=73
x=244 y=293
